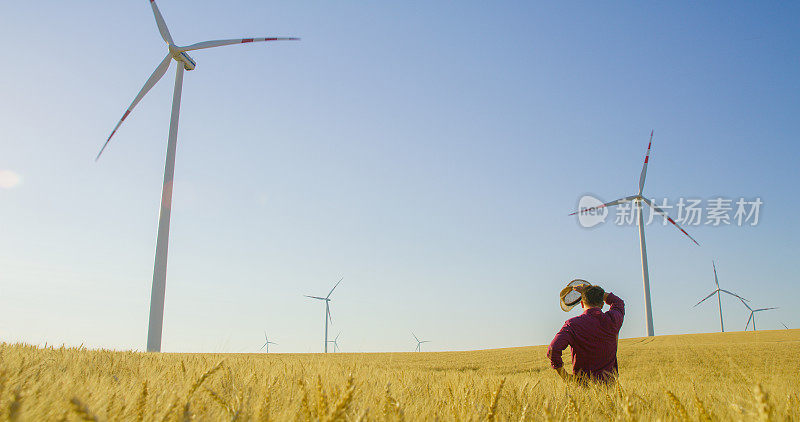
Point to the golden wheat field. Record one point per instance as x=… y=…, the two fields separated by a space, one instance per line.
x=731 y=376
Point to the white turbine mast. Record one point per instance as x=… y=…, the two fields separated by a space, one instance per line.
x=335 y=342
x=327 y=300
x=753 y=315
x=267 y=343
x=185 y=62
x=719 y=293
x=638 y=200
x=419 y=342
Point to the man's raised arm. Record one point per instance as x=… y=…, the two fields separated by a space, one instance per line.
x=617 y=311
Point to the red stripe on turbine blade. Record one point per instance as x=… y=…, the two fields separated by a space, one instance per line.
x=270 y=39
x=646 y=159
x=124 y=116
x=247 y=40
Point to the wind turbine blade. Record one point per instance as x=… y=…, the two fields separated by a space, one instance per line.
x=220 y=43
x=716 y=280
x=415 y=336
x=157 y=74
x=315 y=297
x=704 y=299
x=162 y=26
x=262 y=347
x=607 y=204
x=764 y=309
x=748 y=321
x=334 y=287
x=644 y=167
x=328 y=311
x=732 y=294
x=745 y=304
x=662 y=212
x=784 y=326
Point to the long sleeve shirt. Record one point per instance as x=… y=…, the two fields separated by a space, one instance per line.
x=593 y=338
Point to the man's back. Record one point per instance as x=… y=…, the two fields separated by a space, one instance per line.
x=593 y=338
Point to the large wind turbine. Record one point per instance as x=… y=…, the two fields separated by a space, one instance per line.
x=185 y=62
x=637 y=200
x=419 y=342
x=267 y=343
x=753 y=315
x=327 y=300
x=719 y=292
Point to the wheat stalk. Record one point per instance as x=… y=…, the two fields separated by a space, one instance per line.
x=15 y=407
x=524 y=416
x=493 y=404
x=684 y=415
x=219 y=400
x=304 y=406
x=322 y=399
x=572 y=407
x=141 y=403
x=762 y=403
x=702 y=413
x=82 y=411
x=343 y=403
x=170 y=409
x=547 y=412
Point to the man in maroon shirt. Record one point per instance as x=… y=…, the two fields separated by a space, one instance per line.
x=592 y=337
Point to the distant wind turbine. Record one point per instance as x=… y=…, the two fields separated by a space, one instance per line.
x=753 y=314
x=327 y=300
x=335 y=342
x=419 y=342
x=637 y=200
x=267 y=343
x=185 y=62
x=784 y=326
x=719 y=292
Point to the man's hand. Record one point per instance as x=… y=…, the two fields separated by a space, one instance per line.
x=566 y=376
x=580 y=288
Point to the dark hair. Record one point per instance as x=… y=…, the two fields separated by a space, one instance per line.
x=593 y=296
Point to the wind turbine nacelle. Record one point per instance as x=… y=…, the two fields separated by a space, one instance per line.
x=184 y=59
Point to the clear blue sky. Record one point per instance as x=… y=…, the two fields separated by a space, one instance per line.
x=427 y=152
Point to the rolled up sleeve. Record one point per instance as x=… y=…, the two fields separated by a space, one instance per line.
x=617 y=311
x=557 y=346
